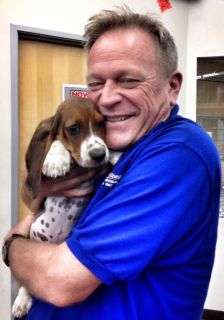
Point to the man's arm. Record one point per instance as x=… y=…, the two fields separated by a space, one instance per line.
x=51 y=272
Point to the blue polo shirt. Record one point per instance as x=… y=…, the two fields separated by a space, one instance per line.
x=149 y=233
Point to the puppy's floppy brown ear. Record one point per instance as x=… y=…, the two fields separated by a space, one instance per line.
x=56 y=122
x=36 y=153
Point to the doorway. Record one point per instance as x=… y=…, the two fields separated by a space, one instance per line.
x=41 y=61
x=43 y=69
x=210 y=105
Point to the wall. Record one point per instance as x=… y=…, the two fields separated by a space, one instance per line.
x=205 y=39
x=70 y=16
x=215 y=299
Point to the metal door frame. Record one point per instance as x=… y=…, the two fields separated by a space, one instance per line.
x=18 y=32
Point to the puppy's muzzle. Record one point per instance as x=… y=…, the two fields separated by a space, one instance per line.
x=94 y=152
x=98 y=154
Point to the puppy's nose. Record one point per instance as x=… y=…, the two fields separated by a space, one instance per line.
x=97 y=154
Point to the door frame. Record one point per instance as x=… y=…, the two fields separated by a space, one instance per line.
x=18 y=32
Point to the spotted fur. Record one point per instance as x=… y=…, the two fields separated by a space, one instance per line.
x=74 y=136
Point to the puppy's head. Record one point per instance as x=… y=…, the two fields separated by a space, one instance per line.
x=80 y=127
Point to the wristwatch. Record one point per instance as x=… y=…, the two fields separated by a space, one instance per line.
x=6 y=246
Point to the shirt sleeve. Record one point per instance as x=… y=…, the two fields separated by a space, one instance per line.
x=150 y=218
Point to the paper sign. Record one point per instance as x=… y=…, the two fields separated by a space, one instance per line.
x=78 y=90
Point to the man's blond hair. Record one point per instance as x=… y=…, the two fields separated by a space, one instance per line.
x=123 y=17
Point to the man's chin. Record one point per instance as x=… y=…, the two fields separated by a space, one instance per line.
x=117 y=143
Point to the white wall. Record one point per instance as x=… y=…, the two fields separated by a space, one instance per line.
x=197 y=34
x=205 y=39
x=215 y=298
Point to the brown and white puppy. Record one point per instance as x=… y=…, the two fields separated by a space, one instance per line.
x=76 y=131
x=73 y=136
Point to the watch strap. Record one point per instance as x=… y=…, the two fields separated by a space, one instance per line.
x=7 y=244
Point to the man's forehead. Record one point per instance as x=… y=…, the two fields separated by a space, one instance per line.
x=132 y=44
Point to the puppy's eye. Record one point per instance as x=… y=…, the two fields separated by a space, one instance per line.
x=74 y=129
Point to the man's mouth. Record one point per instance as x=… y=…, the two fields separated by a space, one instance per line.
x=117 y=119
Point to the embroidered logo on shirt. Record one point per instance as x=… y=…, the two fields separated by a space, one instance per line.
x=111 y=180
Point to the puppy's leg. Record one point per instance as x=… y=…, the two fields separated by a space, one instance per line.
x=22 y=303
x=58 y=160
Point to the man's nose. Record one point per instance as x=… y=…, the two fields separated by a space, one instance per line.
x=110 y=95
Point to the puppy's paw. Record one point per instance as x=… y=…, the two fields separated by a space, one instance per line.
x=22 y=303
x=56 y=166
x=57 y=162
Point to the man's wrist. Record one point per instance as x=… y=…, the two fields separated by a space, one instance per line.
x=6 y=246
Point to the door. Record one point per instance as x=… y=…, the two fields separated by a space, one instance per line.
x=43 y=69
x=210 y=114
x=210 y=100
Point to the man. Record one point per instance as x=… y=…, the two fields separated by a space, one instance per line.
x=144 y=247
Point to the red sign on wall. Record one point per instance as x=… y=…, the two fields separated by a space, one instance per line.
x=78 y=90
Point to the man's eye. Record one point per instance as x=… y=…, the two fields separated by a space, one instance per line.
x=74 y=129
x=93 y=86
x=129 y=82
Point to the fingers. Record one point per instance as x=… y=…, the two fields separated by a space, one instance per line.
x=66 y=186
x=72 y=180
x=69 y=185
x=76 y=192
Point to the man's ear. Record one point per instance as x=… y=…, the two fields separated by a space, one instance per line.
x=174 y=86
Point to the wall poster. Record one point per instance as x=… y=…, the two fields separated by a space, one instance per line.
x=78 y=90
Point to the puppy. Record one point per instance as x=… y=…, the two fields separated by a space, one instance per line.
x=74 y=136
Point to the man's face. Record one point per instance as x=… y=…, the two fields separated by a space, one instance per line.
x=125 y=81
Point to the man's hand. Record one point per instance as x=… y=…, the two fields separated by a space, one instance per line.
x=66 y=186
x=57 y=275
